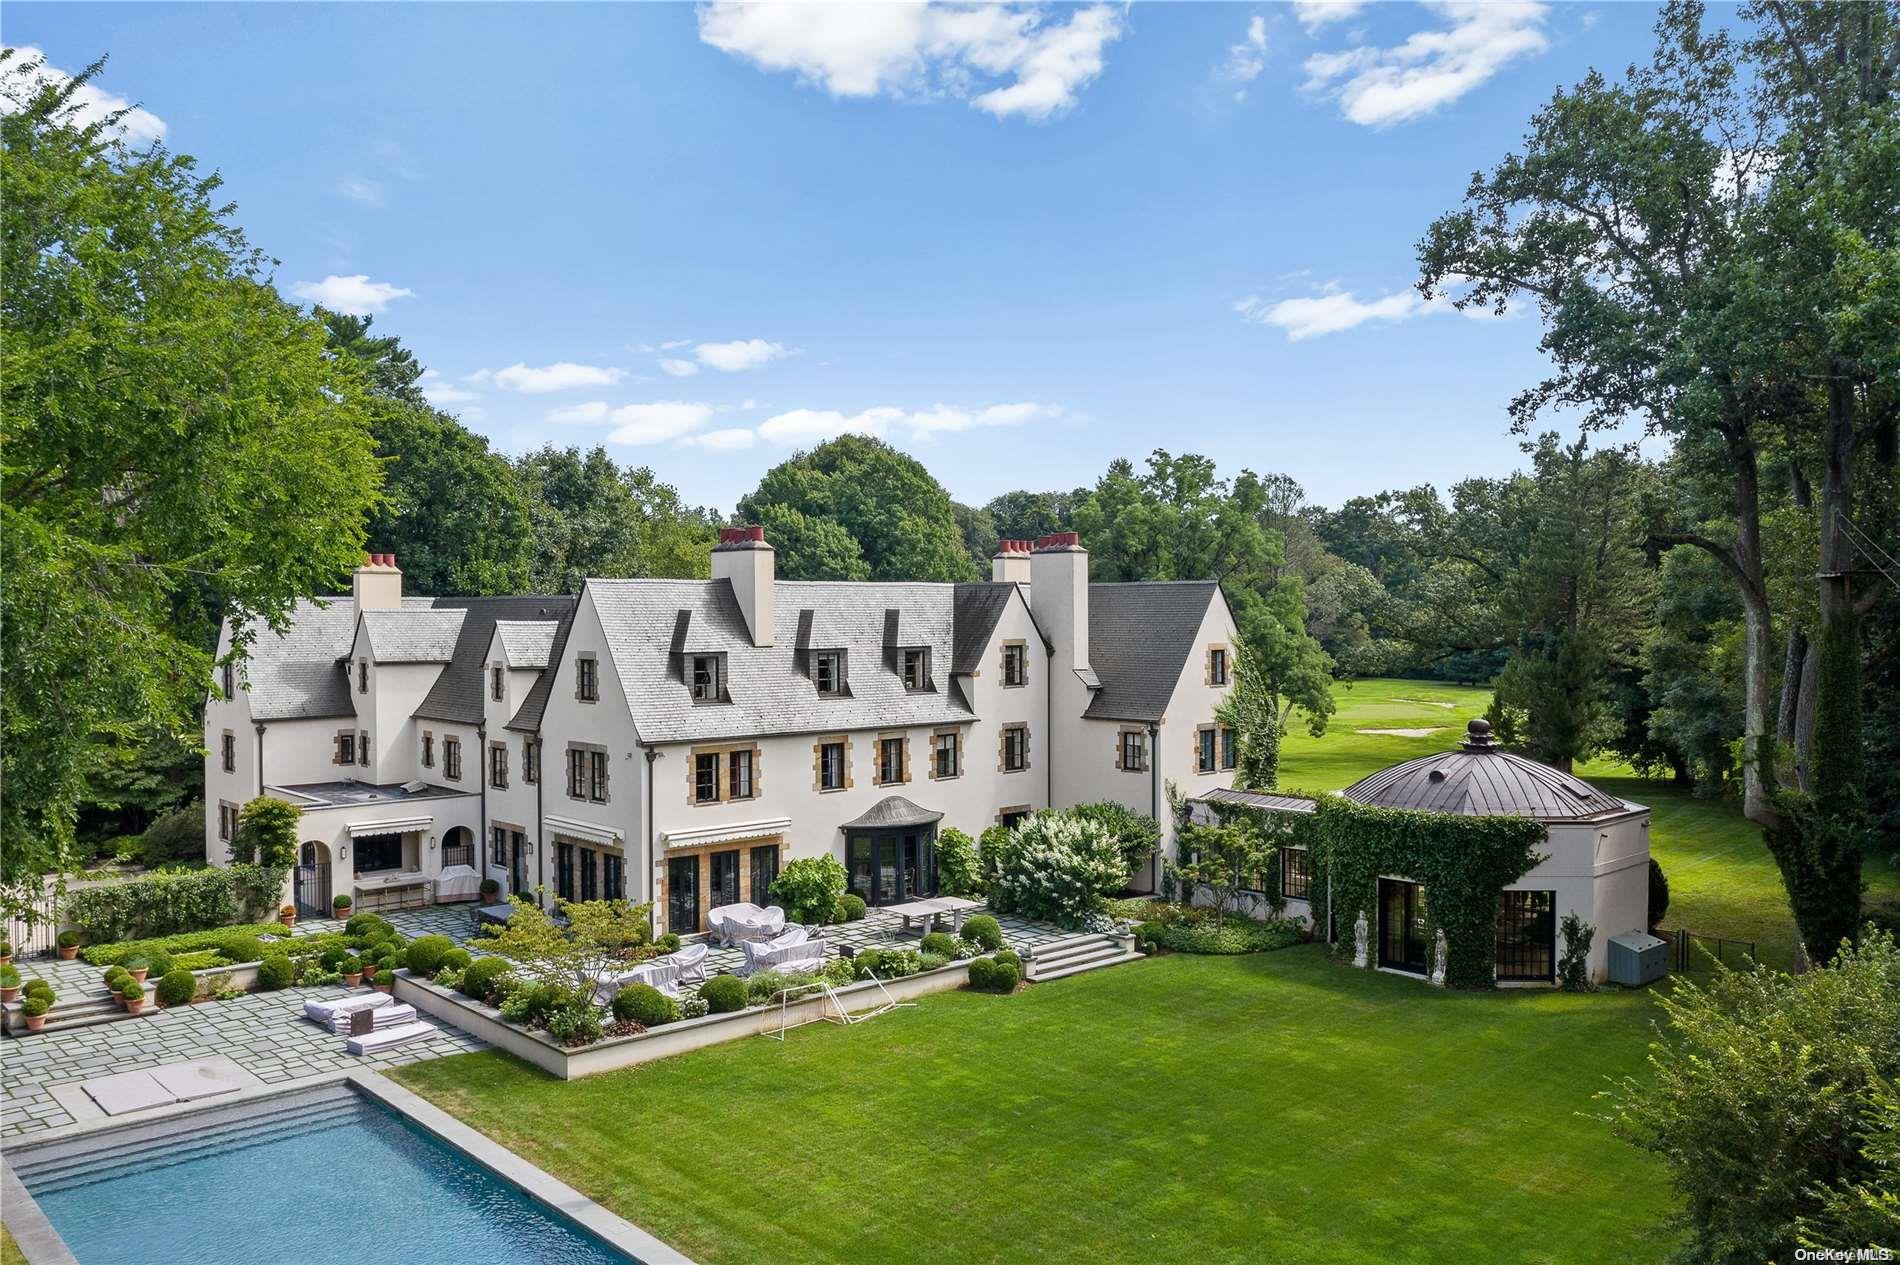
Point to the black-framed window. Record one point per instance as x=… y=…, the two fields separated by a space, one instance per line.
x=530 y=762
x=1296 y=874
x=452 y=759
x=613 y=876
x=827 y=672
x=739 y=783
x=498 y=847
x=1015 y=748
x=564 y=870
x=763 y=860
x=377 y=852
x=706 y=777
x=227 y=822
x=362 y=746
x=831 y=766
x=428 y=749
x=496 y=682
x=890 y=760
x=346 y=747
x=228 y=681
x=1229 y=748
x=1013 y=817
x=914 y=662
x=498 y=765
x=362 y=676
x=590 y=875
x=1015 y=665
x=576 y=773
x=1204 y=753
x=1134 y=751
x=1527 y=936
x=587 y=679
x=597 y=776
x=946 y=750
x=230 y=752
x=1217 y=666
x=706 y=673
x=722 y=872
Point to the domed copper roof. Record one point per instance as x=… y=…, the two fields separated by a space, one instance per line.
x=1482 y=780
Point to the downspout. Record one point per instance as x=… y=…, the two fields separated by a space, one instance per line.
x=260 y=758
x=1154 y=802
x=540 y=845
x=1049 y=725
x=481 y=744
x=540 y=784
x=647 y=859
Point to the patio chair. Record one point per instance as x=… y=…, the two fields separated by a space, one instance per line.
x=661 y=973
x=793 y=951
x=691 y=961
x=731 y=924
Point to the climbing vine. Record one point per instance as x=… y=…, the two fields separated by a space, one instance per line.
x=1462 y=862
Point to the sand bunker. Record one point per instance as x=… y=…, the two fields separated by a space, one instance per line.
x=1403 y=733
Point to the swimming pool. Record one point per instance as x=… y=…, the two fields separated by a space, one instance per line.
x=328 y=1178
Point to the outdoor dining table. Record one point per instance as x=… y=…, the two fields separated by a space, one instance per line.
x=920 y=915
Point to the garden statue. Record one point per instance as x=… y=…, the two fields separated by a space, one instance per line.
x=1359 y=940
x=1439 y=953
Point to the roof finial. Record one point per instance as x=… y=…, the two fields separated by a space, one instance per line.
x=1478 y=736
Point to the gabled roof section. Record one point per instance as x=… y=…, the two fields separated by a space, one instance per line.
x=979 y=607
x=527 y=642
x=295 y=675
x=426 y=635
x=651 y=625
x=527 y=717
x=457 y=694
x=1140 y=638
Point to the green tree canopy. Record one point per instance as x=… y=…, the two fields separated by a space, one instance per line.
x=593 y=518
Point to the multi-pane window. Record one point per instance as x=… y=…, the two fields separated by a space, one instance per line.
x=613 y=876
x=1015 y=665
x=530 y=761
x=944 y=753
x=498 y=847
x=496 y=680
x=564 y=870
x=362 y=676
x=706 y=677
x=346 y=747
x=890 y=760
x=706 y=777
x=1229 y=748
x=452 y=758
x=228 y=681
x=227 y=821
x=498 y=765
x=1013 y=817
x=362 y=746
x=1217 y=666
x=739 y=775
x=1134 y=751
x=428 y=749
x=587 y=679
x=916 y=665
x=1204 y=755
x=1015 y=748
x=597 y=776
x=576 y=773
x=230 y=752
x=827 y=672
x=587 y=774
x=1296 y=874
x=1527 y=935
x=831 y=766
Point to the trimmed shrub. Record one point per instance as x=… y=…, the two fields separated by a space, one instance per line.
x=341 y=902
x=332 y=957
x=113 y=975
x=810 y=887
x=129 y=987
x=70 y=939
x=724 y=994
x=983 y=930
x=1009 y=957
x=36 y=985
x=456 y=960
x=478 y=980
x=991 y=976
x=35 y=1005
x=158 y=962
x=364 y=923
x=383 y=979
x=171 y=904
x=240 y=947
x=106 y=954
x=175 y=988
x=1230 y=935
x=425 y=953
x=533 y=1005
x=940 y=943
x=669 y=943
x=958 y=872
x=645 y=1005
x=352 y=965
x=576 y=1022
x=852 y=906
x=275 y=971
x=138 y=962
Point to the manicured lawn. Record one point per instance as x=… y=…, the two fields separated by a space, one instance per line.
x=10 y=1253
x=1722 y=881
x=1180 y=1109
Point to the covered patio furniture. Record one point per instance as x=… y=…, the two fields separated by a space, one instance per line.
x=380 y=1017
x=793 y=951
x=381 y=1039
x=324 y=1010
x=660 y=973
x=691 y=961
x=744 y=921
x=457 y=883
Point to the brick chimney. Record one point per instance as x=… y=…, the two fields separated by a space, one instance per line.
x=743 y=559
x=377 y=584
x=1059 y=587
x=1010 y=564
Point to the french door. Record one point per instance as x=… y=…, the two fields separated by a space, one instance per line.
x=1402 y=926
x=1527 y=936
x=725 y=880
x=682 y=895
x=764 y=860
x=888 y=867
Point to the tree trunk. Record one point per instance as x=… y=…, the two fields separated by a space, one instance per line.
x=1804 y=719
x=1758 y=722
x=1792 y=667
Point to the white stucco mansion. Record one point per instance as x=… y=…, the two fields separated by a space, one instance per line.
x=680 y=740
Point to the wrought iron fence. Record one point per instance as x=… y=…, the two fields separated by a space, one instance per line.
x=1729 y=952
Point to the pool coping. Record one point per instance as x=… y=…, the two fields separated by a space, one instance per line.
x=41 y=1244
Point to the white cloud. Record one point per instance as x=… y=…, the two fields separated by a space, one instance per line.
x=1329 y=313
x=356 y=295
x=361 y=189
x=731 y=439
x=1314 y=14
x=1380 y=86
x=924 y=50
x=737 y=356
x=439 y=391
x=1248 y=58
x=656 y=423
x=678 y=368
x=800 y=426
x=592 y=411
x=89 y=104
x=562 y=375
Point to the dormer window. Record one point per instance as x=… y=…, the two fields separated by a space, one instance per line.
x=827 y=672
x=496 y=682
x=915 y=662
x=707 y=675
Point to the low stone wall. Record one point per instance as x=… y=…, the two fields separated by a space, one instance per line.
x=613 y=1053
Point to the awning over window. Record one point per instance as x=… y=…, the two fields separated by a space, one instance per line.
x=393 y=826
x=894 y=812
x=1256 y=799
x=585 y=831
x=700 y=835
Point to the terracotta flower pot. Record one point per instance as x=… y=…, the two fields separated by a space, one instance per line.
x=134 y=1005
x=9 y=994
x=355 y=980
x=140 y=973
x=68 y=954
x=289 y=920
x=386 y=988
x=5 y=958
x=35 y=1022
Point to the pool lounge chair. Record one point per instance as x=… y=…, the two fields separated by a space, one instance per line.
x=375 y=1042
x=380 y=1017
x=324 y=1010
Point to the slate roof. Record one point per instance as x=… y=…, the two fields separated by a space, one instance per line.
x=413 y=635
x=978 y=607
x=457 y=693
x=527 y=717
x=527 y=642
x=1140 y=638
x=295 y=676
x=891 y=813
x=1485 y=781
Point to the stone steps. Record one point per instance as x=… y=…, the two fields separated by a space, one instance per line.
x=1077 y=954
x=93 y=1007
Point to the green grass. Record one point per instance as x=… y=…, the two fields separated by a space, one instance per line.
x=1180 y=1109
x=1722 y=881
x=10 y=1253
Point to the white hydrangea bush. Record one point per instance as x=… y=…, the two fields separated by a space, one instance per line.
x=1059 y=867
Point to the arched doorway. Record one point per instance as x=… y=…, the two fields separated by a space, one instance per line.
x=313 y=881
x=458 y=847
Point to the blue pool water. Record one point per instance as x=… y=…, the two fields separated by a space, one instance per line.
x=342 y=1182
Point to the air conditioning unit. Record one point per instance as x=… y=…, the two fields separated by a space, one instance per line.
x=1637 y=958
x=415 y=787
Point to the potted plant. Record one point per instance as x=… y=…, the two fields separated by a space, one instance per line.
x=490 y=890
x=6 y=952
x=9 y=982
x=288 y=915
x=385 y=982
x=352 y=969
x=137 y=968
x=35 y=1008
x=342 y=904
x=133 y=994
x=68 y=944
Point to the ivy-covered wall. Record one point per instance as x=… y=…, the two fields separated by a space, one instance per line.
x=1463 y=863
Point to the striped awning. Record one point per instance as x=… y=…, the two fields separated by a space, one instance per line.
x=732 y=833
x=391 y=826
x=585 y=831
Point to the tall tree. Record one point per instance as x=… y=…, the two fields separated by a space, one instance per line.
x=593 y=518
x=1029 y=515
x=177 y=444
x=393 y=369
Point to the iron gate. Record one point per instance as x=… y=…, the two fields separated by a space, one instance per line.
x=313 y=882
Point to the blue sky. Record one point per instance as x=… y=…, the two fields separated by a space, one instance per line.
x=1018 y=242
